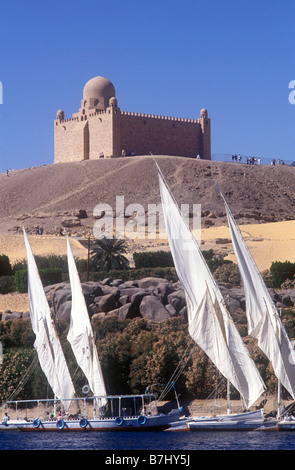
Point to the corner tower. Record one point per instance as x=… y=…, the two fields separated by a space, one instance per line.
x=206 y=134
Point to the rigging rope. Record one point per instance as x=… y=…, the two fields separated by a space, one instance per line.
x=178 y=371
x=24 y=379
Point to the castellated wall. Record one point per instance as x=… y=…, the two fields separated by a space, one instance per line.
x=161 y=135
x=106 y=133
x=100 y=129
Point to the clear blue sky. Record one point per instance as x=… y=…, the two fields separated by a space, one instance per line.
x=235 y=58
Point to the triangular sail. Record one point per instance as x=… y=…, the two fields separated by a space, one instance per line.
x=80 y=333
x=264 y=322
x=209 y=322
x=47 y=343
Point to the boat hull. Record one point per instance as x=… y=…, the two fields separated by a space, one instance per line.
x=211 y=425
x=137 y=423
x=249 y=421
x=8 y=427
x=12 y=425
x=286 y=425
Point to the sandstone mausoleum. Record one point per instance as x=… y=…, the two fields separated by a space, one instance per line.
x=101 y=130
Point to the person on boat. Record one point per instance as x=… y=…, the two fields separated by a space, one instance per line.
x=5 y=418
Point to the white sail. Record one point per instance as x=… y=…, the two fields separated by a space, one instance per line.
x=209 y=322
x=80 y=333
x=264 y=322
x=47 y=343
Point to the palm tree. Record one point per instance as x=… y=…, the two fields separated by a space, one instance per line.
x=108 y=254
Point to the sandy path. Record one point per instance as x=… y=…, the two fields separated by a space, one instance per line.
x=13 y=246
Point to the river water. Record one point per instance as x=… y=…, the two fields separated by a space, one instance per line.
x=171 y=442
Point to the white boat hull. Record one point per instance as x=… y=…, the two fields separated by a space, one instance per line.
x=238 y=421
x=12 y=425
x=232 y=422
x=286 y=425
x=224 y=425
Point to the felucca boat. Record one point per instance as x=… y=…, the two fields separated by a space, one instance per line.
x=264 y=322
x=95 y=412
x=210 y=324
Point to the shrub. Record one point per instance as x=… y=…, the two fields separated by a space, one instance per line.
x=281 y=271
x=228 y=272
x=16 y=333
x=51 y=276
x=15 y=364
x=21 y=280
x=212 y=261
x=48 y=276
x=5 y=266
x=133 y=274
x=7 y=284
x=153 y=259
x=45 y=262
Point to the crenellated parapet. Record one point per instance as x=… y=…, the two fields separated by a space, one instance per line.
x=160 y=117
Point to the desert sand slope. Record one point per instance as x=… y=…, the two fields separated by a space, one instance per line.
x=43 y=194
x=267 y=242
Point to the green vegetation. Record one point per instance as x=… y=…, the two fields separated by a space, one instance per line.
x=213 y=261
x=153 y=259
x=48 y=276
x=228 y=272
x=133 y=274
x=108 y=254
x=7 y=284
x=281 y=271
x=133 y=354
x=5 y=266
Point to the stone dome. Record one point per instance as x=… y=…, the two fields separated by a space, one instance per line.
x=97 y=93
x=203 y=113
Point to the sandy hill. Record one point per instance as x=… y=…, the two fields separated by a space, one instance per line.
x=255 y=193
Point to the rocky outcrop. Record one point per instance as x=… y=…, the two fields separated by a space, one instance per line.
x=69 y=222
x=152 y=298
x=8 y=315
